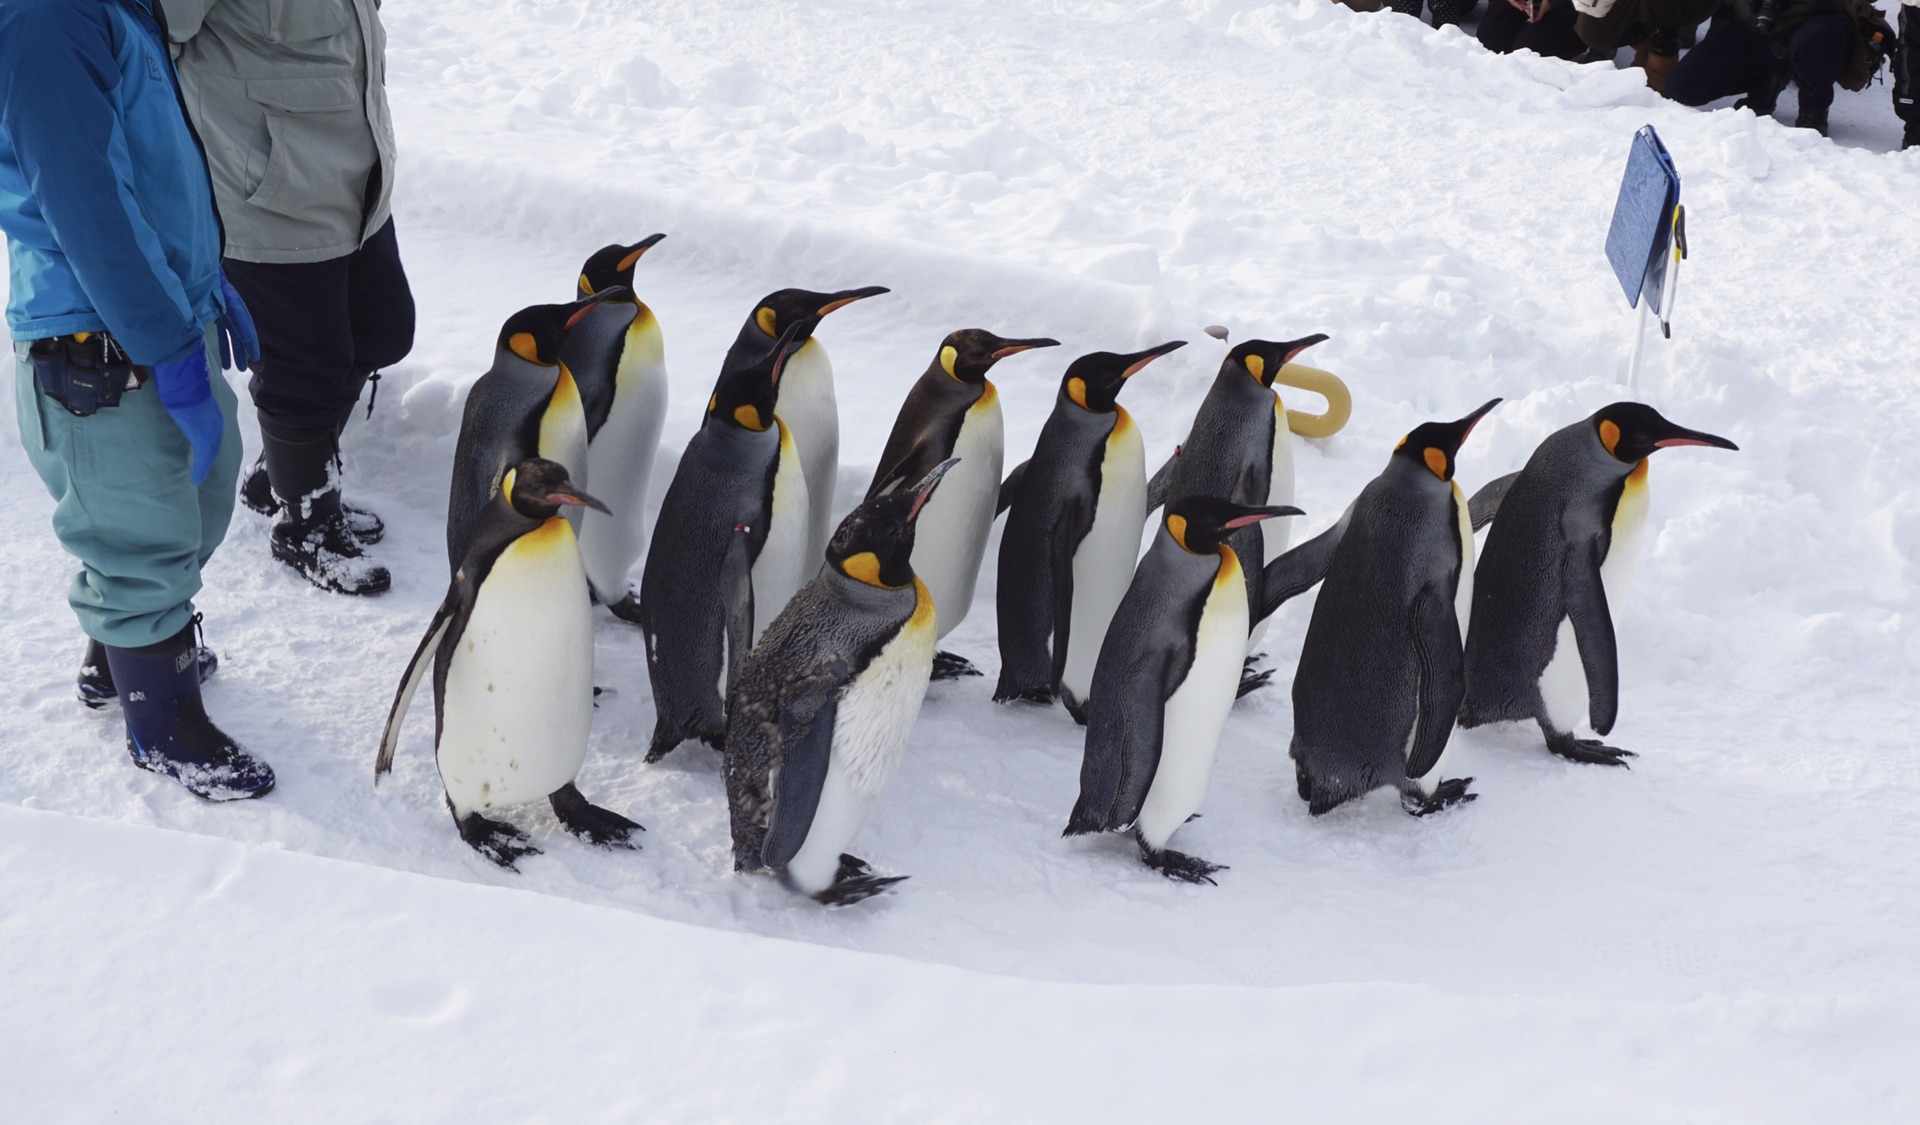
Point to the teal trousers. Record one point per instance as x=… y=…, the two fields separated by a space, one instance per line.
x=126 y=506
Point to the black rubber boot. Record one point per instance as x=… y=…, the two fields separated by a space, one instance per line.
x=94 y=685
x=1812 y=117
x=257 y=494
x=311 y=534
x=168 y=730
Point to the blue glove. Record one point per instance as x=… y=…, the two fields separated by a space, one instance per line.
x=239 y=343
x=187 y=393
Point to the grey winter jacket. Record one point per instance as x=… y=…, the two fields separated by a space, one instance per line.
x=289 y=97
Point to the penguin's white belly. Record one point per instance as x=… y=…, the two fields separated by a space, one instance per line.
x=1103 y=564
x=781 y=569
x=1463 y=593
x=951 y=533
x=619 y=463
x=808 y=406
x=1197 y=712
x=1563 y=685
x=1275 y=533
x=519 y=694
x=871 y=722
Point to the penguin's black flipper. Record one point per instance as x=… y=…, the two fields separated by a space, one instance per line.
x=1300 y=569
x=1123 y=744
x=1585 y=597
x=590 y=822
x=410 y=683
x=1010 y=487
x=801 y=745
x=1485 y=504
x=1161 y=480
x=1075 y=521
x=1443 y=681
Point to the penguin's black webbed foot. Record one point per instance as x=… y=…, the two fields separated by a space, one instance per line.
x=600 y=827
x=854 y=882
x=498 y=841
x=1040 y=695
x=664 y=742
x=1591 y=751
x=1074 y=707
x=1250 y=680
x=627 y=609
x=1450 y=792
x=952 y=666
x=1179 y=866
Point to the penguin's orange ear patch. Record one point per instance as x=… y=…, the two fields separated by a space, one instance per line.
x=1401 y=444
x=749 y=416
x=863 y=567
x=1256 y=367
x=712 y=402
x=586 y=287
x=1609 y=434
x=765 y=319
x=1077 y=391
x=948 y=357
x=1436 y=460
x=1177 y=527
x=522 y=344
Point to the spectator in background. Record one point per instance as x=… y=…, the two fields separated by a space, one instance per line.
x=1439 y=12
x=1810 y=42
x=1653 y=27
x=1906 y=73
x=116 y=302
x=290 y=100
x=1544 y=27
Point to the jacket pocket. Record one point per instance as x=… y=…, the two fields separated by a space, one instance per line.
x=301 y=21
x=316 y=137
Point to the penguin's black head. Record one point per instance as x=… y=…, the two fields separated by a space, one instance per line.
x=537 y=489
x=613 y=265
x=1633 y=430
x=749 y=382
x=1262 y=359
x=536 y=332
x=1093 y=381
x=804 y=309
x=967 y=355
x=1435 y=444
x=1199 y=524
x=874 y=544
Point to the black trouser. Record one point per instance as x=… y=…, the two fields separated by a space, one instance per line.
x=1906 y=70
x=1734 y=59
x=1505 y=28
x=324 y=327
x=1444 y=11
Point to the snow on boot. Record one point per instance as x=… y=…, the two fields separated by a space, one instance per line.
x=257 y=494
x=312 y=533
x=94 y=684
x=168 y=730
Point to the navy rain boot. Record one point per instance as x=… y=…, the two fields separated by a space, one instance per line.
x=94 y=684
x=168 y=730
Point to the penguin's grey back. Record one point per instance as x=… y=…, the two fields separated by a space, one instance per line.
x=499 y=428
x=925 y=431
x=1355 y=695
x=592 y=351
x=1563 y=501
x=1058 y=497
x=1229 y=454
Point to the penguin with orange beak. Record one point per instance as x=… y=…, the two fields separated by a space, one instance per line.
x=1541 y=645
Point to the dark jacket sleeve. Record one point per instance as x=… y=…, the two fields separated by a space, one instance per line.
x=57 y=77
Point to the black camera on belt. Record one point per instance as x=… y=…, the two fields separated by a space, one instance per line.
x=84 y=372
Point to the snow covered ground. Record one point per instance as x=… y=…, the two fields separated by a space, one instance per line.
x=1725 y=933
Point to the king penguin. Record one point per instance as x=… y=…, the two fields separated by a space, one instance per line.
x=512 y=658
x=526 y=405
x=953 y=411
x=1073 y=531
x=1541 y=644
x=1241 y=449
x=819 y=718
x=1165 y=680
x=618 y=360
x=1380 y=675
x=727 y=549
x=806 y=402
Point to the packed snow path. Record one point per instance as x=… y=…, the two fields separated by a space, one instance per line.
x=1112 y=176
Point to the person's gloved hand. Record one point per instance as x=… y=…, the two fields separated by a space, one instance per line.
x=239 y=343
x=186 y=391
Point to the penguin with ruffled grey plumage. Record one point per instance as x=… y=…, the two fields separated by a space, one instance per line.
x=1541 y=644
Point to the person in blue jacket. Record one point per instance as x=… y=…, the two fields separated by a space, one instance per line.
x=116 y=304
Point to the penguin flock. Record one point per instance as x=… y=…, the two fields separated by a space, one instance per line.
x=802 y=650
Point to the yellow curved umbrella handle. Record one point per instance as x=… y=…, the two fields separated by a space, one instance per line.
x=1324 y=383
